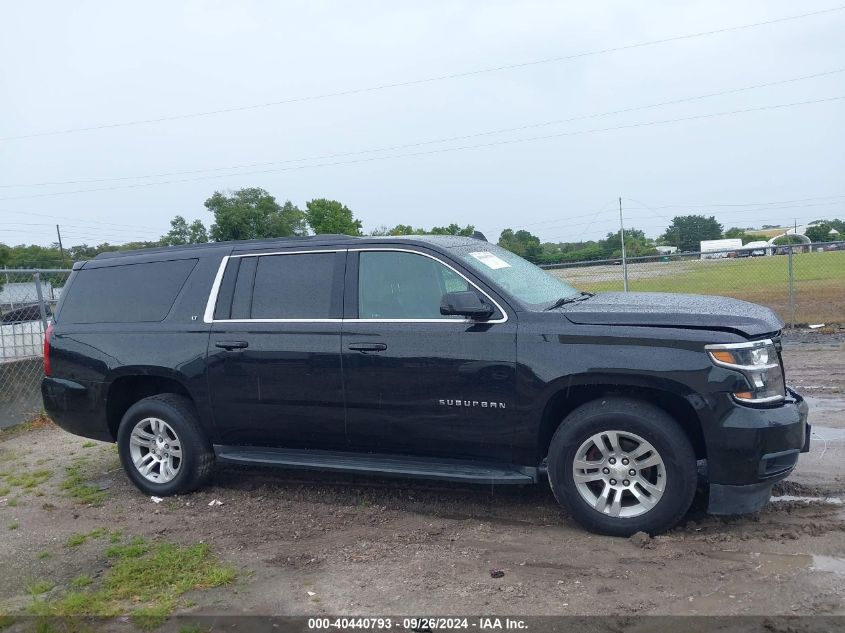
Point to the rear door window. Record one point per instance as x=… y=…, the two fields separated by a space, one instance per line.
x=131 y=293
x=295 y=286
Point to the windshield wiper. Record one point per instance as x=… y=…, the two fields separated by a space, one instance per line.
x=571 y=299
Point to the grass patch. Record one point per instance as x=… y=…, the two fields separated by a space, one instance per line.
x=77 y=539
x=13 y=502
x=39 y=586
x=43 y=555
x=819 y=281
x=81 y=581
x=4 y=491
x=136 y=548
x=39 y=421
x=28 y=480
x=144 y=581
x=76 y=487
x=89 y=444
x=13 y=526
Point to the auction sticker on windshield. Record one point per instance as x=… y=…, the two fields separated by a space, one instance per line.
x=490 y=260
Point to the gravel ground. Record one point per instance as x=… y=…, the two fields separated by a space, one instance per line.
x=325 y=544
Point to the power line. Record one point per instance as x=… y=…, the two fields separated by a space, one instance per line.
x=436 y=151
x=146 y=229
x=689 y=205
x=746 y=210
x=568 y=218
x=426 y=80
x=72 y=227
x=437 y=140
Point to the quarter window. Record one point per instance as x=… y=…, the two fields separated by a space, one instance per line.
x=127 y=293
x=398 y=285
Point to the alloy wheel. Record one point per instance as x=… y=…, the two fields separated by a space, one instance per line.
x=156 y=450
x=619 y=474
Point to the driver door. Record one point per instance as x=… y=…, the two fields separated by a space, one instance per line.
x=418 y=382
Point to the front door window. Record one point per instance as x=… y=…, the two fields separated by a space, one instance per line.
x=400 y=285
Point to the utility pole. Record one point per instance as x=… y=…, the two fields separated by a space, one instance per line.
x=61 y=248
x=624 y=259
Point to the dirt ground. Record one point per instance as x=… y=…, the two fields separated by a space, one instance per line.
x=315 y=544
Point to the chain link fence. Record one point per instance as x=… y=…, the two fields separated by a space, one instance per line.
x=803 y=283
x=27 y=301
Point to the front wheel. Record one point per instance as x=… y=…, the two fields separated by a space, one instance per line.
x=162 y=447
x=621 y=466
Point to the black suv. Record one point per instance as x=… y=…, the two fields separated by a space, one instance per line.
x=439 y=357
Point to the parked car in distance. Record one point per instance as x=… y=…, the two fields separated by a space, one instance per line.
x=436 y=357
x=24 y=314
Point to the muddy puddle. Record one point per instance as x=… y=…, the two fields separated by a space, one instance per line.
x=771 y=563
x=828 y=434
x=834 y=501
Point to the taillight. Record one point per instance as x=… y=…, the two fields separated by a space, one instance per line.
x=47 y=369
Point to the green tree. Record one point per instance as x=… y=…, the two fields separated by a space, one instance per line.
x=330 y=216
x=788 y=239
x=399 y=229
x=183 y=233
x=738 y=233
x=688 y=231
x=252 y=213
x=522 y=243
x=453 y=229
x=33 y=256
x=821 y=233
x=636 y=244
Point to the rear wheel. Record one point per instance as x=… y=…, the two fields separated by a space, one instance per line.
x=621 y=466
x=162 y=448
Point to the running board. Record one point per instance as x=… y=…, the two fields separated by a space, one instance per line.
x=379 y=464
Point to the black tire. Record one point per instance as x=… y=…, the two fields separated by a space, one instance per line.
x=197 y=461
x=649 y=423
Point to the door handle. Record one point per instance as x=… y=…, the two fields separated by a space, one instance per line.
x=368 y=347
x=230 y=345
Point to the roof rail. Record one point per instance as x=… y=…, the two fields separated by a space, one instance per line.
x=270 y=241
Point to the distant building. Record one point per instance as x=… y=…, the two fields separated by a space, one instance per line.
x=666 y=250
x=760 y=247
x=717 y=249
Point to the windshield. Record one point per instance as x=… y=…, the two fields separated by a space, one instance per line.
x=531 y=285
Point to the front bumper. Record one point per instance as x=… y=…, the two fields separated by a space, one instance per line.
x=753 y=449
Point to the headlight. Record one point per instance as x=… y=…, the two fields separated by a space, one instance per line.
x=760 y=363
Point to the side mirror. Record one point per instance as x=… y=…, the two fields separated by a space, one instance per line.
x=466 y=304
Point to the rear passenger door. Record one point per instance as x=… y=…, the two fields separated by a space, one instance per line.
x=274 y=363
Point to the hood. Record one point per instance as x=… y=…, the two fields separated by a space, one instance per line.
x=661 y=309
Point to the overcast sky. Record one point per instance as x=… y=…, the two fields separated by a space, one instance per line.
x=68 y=65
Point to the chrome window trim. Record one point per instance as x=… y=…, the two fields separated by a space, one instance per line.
x=208 y=316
